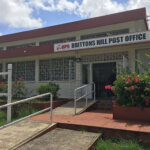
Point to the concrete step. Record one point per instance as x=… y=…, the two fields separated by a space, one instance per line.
x=62 y=139
x=103 y=104
x=68 y=108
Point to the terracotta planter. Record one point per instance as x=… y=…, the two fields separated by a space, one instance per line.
x=131 y=113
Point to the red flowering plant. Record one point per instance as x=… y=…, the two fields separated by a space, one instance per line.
x=132 y=89
x=3 y=86
x=109 y=90
x=19 y=89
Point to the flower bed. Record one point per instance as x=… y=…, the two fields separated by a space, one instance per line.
x=41 y=105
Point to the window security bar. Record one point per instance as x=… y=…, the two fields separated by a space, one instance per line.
x=36 y=113
x=87 y=93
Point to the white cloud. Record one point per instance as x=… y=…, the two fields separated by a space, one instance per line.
x=89 y=8
x=94 y=8
x=54 y=5
x=1 y=34
x=132 y=4
x=18 y=13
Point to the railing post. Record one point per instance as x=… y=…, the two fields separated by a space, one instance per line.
x=51 y=106
x=86 y=95
x=94 y=92
x=9 y=92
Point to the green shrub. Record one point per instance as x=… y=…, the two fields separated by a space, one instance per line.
x=49 y=87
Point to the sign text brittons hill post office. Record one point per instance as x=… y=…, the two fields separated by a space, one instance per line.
x=102 y=42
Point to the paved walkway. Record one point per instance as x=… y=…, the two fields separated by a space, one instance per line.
x=20 y=132
x=68 y=108
x=97 y=119
x=62 y=139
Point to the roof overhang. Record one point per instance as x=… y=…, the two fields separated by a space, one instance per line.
x=132 y=15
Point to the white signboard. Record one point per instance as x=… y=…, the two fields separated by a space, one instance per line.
x=102 y=42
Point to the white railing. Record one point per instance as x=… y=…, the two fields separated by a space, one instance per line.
x=89 y=89
x=9 y=91
x=29 y=99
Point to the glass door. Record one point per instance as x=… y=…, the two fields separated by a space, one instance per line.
x=103 y=74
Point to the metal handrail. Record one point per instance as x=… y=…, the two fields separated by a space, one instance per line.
x=3 y=94
x=81 y=87
x=83 y=96
x=29 y=99
x=3 y=73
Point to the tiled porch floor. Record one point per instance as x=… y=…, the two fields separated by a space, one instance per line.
x=97 y=118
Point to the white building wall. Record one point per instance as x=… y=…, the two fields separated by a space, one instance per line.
x=67 y=87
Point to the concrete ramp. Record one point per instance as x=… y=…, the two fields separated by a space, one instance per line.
x=21 y=132
x=68 y=108
x=62 y=139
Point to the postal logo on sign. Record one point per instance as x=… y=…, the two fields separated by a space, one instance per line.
x=62 y=47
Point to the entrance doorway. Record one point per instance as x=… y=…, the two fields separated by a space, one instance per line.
x=103 y=74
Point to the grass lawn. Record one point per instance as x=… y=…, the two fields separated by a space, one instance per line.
x=5 y=100
x=113 y=144
x=19 y=112
x=15 y=115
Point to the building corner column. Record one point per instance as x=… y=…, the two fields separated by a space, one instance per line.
x=132 y=60
x=37 y=70
x=78 y=74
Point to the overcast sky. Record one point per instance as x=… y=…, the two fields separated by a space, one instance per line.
x=22 y=15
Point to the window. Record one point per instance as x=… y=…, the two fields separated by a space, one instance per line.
x=57 y=69
x=1 y=67
x=105 y=57
x=21 y=46
x=141 y=55
x=26 y=69
x=102 y=34
x=1 y=48
x=58 y=41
